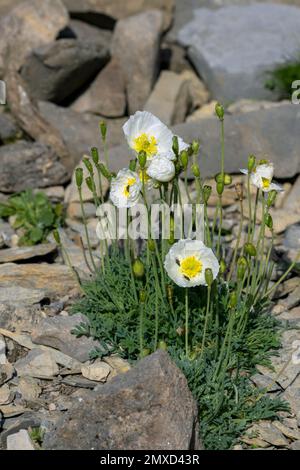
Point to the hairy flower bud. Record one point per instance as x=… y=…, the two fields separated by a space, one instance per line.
x=95 y=155
x=142 y=296
x=88 y=166
x=220 y=187
x=184 y=159
x=223 y=266
x=196 y=170
x=251 y=162
x=209 y=277
x=207 y=190
x=268 y=221
x=226 y=178
x=103 y=130
x=219 y=111
x=175 y=145
x=138 y=269
x=89 y=183
x=162 y=345
x=151 y=245
x=233 y=300
x=250 y=249
x=105 y=171
x=142 y=157
x=79 y=176
x=195 y=147
x=242 y=265
x=271 y=197
x=132 y=164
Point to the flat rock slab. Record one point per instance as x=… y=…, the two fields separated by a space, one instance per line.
x=148 y=407
x=267 y=36
x=268 y=133
x=52 y=279
x=10 y=255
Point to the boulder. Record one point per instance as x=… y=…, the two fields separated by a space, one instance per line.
x=19 y=441
x=170 y=98
x=29 y=165
x=135 y=45
x=106 y=95
x=86 y=32
x=239 y=69
x=56 y=332
x=55 y=71
x=9 y=129
x=9 y=255
x=106 y=13
x=27 y=26
x=148 y=407
x=80 y=131
x=37 y=363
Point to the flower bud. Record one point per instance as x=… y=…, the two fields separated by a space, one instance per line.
x=206 y=192
x=239 y=191
x=79 y=176
x=132 y=164
x=268 y=221
x=175 y=145
x=105 y=171
x=184 y=159
x=219 y=111
x=209 y=277
x=95 y=155
x=196 y=170
x=271 y=197
x=225 y=177
x=88 y=166
x=223 y=266
x=138 y=269
x=56 y=236
x=220 y=187
x=241 y=268
x=251 y=162
x=195 y=147
x=142 y=157
x=233 y=300
x=103 y=130
x=89 y=183
x=250 y=249
x=162 y=345
x=151 y=245
x=263 y=161
x=142 y=296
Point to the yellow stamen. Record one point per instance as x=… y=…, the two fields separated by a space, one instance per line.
x=266 y=183
x=146 y=143
x=190 y=267
x=143 y=176
x=129 y=183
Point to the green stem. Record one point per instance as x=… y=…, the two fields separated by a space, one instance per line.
x=186 y=322
x=206 y=321
x=86 y=229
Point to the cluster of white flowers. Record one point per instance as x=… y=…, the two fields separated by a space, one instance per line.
x=145 y=132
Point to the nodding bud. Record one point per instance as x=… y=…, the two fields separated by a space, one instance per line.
x=103 y=130
x=138 y=269
x=56 y=236
x=132 y=164
x=251 y=162
x=175 y=145
x=95 y=155
x=209 y=277
x=242 y=265
x=226 y=178
x=79 y=176
x=89 y=183
x=233 y=300
x=250 y=249
x=263 y=161
x=271 y=197
x=142 y=157
x=239 y=191
x=145 y=352
x=88 y=166
x=220 y=187
x=170 y=292
x=151 y=245
x=105 y=171
x=196 y=170
x=268 y=221
x=219 y=109
x=195 y=147
x=184 y=159
x=223 y=266
x=162 y=345
x=142 y=296
x=206 y=192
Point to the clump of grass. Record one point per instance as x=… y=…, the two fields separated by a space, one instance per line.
x=282 y=77
x=34 y=216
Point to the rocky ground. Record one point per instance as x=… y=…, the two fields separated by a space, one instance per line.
x=65 y=69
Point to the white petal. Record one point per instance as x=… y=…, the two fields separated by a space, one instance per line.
x=244 y=171
x=161 y=169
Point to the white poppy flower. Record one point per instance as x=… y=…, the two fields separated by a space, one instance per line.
x=161 y=169
x=261 y=177
x=125 y=188
x=146 y=132
x=187 y=261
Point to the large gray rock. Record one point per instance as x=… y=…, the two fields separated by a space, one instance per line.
x=106 y=95
x=29 y=165
x=9 y=130
x=135 y=45
x=55 y=71
x=267 y=36
x=86 y=32
x=149 y=407
x=268 y=133
x=105 y=13
x=80 y=131
x=56 y=333
x=27 y=26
